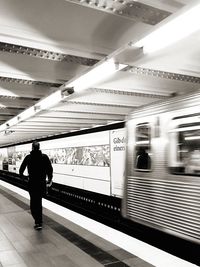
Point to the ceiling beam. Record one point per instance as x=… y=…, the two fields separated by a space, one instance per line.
x=129 y=9
x=45 y=54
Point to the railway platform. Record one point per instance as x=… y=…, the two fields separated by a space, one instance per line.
x=67 y=239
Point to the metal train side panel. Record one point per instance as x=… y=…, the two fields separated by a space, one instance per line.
x=157 y=197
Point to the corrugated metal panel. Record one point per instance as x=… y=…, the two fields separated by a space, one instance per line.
x=169 y=205
x=186 y=101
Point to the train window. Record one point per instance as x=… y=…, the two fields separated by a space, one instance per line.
x=143 y=138
x=185 y=149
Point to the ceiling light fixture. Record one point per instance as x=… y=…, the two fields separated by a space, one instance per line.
x=45 y=103
x=26 y=114
x=15 y=120
x=49 y=101
x=8 y=132
x=67 y=91
x=95 y=75
x=176 y=29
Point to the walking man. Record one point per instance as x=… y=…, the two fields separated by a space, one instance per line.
x=39 y=169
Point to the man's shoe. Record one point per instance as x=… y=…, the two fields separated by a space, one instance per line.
x=38 y=226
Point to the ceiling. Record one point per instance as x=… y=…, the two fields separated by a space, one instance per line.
x=46 y=44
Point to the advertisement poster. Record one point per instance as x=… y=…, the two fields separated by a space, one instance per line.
x=88 y=155
x=118 y=154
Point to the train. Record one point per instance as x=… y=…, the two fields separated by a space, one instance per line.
x=165 y=193
x=151 y=163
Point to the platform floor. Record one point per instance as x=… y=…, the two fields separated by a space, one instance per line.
x=60 y=243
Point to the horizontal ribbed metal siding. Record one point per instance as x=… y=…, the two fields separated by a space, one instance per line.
x=170 y=205
x=179 y=102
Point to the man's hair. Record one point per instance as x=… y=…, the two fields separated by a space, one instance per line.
x=35 y=145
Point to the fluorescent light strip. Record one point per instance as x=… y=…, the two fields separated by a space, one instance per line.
x=49 y=101
x=92 y=77
x=26 y=114
x=45 y=103
x=148 y=253
x=173 y=31
x=95 y=75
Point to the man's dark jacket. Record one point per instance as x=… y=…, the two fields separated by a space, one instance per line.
x=39 y=167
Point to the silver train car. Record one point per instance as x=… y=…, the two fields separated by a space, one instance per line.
x=162 y=184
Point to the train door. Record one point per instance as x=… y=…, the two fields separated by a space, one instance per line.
x=141 y=134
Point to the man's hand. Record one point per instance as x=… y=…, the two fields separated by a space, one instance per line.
x=49 y=183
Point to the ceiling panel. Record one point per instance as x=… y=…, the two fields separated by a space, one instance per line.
x=47 y=45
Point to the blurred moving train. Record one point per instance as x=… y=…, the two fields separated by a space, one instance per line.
x=163 y=192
